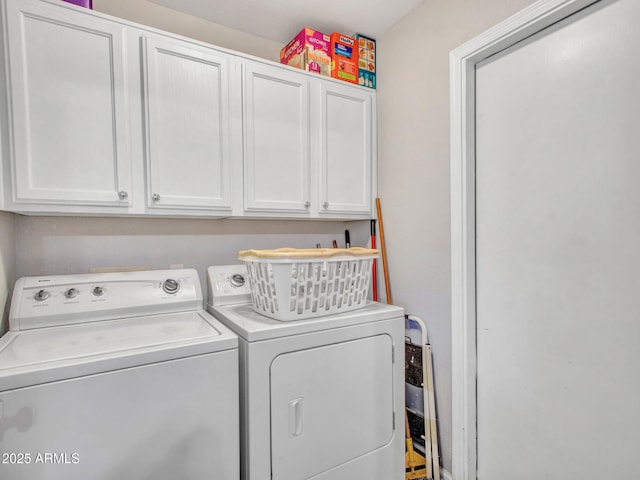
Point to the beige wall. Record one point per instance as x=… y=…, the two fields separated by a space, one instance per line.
x=61 y=245
x=413 y=171
x=7 y=264
x=157 y=16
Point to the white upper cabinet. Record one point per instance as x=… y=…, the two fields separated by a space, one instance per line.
x=187 y=126
x=276 y=140
x=69 y=113
x=345 y=150
x=308 y=145
x=99 y=116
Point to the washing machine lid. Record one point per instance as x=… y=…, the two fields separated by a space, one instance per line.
x=254 y=327
x=31 y=357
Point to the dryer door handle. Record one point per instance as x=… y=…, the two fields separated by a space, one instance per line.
x=295 y=417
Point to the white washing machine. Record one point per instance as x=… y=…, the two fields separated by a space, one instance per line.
x=321 y=398
x=117 y=376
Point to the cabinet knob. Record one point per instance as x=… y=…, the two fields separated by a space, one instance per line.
x=325 y=205
x=307 y=204
x=155 y=197
x=122 y=195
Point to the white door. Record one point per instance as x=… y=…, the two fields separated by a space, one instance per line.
x=187 y=105
x=330 y=405
x=557 y=257
x=276 y=139
x=346 y=158
x=68 y=94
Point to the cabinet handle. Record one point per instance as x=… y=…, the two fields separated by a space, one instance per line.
x=122 y=195
x=307 y=204
x=325 y=205
x=155 y=197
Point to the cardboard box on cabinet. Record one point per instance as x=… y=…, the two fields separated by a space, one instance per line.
x=308 y=50
x=81 y=3
x=366 y=61
x=344 y=57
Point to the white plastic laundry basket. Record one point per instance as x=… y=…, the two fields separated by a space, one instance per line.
x=294 y=284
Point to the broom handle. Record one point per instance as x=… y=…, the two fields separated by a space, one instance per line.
x=384 y=252
x=374 y=266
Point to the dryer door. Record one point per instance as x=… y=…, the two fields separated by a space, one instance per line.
x=330 y=405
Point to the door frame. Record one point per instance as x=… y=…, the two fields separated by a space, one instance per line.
x=462 y=66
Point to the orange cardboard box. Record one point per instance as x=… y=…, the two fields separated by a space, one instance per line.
x=344 y=57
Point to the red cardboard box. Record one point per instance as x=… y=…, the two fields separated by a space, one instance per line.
x=309 y=50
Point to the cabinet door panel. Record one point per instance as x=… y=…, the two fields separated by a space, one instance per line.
x=276 y=131
x=68 y=93
x=188 y=124
x=345 y=150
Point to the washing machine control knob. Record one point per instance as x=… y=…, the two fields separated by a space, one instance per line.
x=237 y=280
x=72 y=293
x=41 y=295
x=98 y=291
x=171 y=286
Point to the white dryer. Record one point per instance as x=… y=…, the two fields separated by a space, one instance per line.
x=321 y=398
x=114 y=376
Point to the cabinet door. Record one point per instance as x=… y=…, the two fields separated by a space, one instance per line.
x=276 y=139
x=187 y=125
x=346 y=153
x=68 y=93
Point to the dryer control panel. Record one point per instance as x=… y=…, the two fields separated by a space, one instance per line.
x=228 y=285
x=70 y=299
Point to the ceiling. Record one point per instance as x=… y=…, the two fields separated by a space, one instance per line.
x=281 y=20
